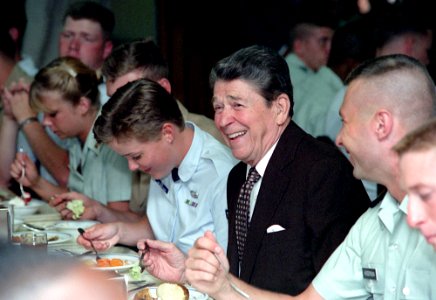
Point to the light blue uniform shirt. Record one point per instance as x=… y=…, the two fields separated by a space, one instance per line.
x=99 y=172
x=313 y=93
x=381 y=258
x=181 y=211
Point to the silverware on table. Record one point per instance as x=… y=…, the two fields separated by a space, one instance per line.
x=140 y=287
x=33 y=227
x=82 y=231
x=72 y=253
x=141 y=259
x=237 y=289
x=23 y=174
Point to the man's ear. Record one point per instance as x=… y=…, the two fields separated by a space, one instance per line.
x=108 y=45
x=168 y=132
x=281 y=106
x=165 y=83
x=297 y=46
x=382 y=124
x=14 y=33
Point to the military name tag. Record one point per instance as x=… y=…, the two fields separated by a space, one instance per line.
x=369 y=273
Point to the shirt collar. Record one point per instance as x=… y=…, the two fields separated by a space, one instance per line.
x=263 y=163
x=388 y=210
x=189 y=163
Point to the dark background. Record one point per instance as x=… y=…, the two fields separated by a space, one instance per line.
x=194 y=35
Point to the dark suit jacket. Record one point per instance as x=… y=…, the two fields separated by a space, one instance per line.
x=309 y=189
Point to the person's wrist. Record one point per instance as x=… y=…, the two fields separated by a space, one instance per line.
x=8 y=120
x=98 y=210
x=24 y=122
x=182 y=277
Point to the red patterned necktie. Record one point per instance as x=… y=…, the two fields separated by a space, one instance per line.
x=243 y=210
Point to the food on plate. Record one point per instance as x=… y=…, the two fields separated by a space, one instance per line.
x=172 y=291
x=53 y=238
x=17 y=202
x=109 y=262
x=26 y=197
x=143 y=294
x=165 y=291
x=135 y=272
x=77 y=207
x=17 y=239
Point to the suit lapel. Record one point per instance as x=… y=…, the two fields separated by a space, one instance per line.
x=235 y=181
x=274 y=184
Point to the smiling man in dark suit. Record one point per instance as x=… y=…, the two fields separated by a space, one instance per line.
x=302 y=199
x=306 y=199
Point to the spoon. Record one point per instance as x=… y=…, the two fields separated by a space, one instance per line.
x=81 y=231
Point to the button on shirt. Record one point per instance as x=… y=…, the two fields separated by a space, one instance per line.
x=181 y=211
x=99 y=172
x=397 y=261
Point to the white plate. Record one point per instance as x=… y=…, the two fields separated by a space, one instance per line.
x=193 y=293
x=144 y=277
x=129 y=261
x=74 y=225
x=53 y=237
x=29 y=209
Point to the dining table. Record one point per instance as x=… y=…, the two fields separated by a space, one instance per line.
x=47 y=219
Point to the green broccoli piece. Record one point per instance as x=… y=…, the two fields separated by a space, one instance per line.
x=77 y=207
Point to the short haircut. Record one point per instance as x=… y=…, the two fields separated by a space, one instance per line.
x=402 y=84
x=137 y=110
x=92 y=11
x=260 y=66
x=420 y=139
x=68 y=76
x=143 y=55
x=391 y=26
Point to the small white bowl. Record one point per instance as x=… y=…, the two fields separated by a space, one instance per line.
x=29 y=209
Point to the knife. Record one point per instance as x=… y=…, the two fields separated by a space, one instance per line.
x=33 y=227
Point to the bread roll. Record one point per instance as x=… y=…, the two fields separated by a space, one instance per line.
x=143 y=294
x=172 y=291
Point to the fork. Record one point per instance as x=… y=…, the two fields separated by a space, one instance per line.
x=72 y=253
x=238 y=290
x=23 y=173
x=81 y=231
x=141 y=259
x=24 y=195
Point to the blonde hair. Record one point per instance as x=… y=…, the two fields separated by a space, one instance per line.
x=68 y=76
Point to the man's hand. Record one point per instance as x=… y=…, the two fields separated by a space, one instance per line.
x=163 y=260
x=103 y=236
x=203 y=267
x=60 y=203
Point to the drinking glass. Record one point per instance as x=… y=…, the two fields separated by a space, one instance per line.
x=37 y=240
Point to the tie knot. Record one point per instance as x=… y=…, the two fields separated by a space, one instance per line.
x=253 y=175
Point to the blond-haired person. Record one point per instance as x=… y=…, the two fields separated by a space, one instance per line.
x=66 y=91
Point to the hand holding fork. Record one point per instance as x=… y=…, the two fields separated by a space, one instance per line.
x=24 y=195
